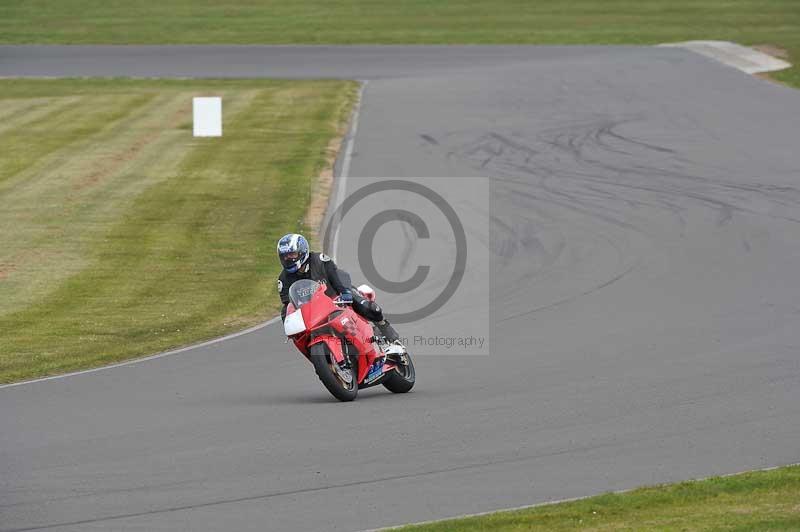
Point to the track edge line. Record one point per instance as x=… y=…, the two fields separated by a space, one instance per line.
x=148 y=357
x=571 y=499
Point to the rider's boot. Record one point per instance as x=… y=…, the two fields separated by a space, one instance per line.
x=388 y=331
x=396 y=349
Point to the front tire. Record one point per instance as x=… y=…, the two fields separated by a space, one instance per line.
x=323 y=360
x=402 y=378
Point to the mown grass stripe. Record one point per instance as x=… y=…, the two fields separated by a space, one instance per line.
x=16 y=113
x=28 y=144
x=95 y=188
x=177 y=243
x=83 y=190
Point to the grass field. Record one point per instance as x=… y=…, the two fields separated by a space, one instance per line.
x=749 y=22
x=766 y=500
x=122 y=235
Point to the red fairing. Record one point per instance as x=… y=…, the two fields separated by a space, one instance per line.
x=359 y=333
x=329 y=323
x=317 y=311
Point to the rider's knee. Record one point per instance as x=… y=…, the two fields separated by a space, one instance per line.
x=369 y=309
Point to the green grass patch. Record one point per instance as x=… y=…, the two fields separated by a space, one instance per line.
x=748 y=22
x=765 y=500
x=122 y=235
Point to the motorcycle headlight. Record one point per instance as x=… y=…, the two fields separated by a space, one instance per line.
x=294 y=324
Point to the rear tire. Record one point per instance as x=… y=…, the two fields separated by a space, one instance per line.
x=322 y=359
x=397 y=382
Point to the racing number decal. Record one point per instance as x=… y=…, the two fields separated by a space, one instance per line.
x=348 y=325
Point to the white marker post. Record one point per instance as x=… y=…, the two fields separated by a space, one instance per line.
x=207 y=117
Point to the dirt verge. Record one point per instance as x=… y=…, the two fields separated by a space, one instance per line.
x=321 y=193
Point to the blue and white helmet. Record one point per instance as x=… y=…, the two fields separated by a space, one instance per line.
x=293 y=251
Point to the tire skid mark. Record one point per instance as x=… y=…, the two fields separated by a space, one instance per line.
x=617 y=183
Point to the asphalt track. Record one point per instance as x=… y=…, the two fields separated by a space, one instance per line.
x=646 y=229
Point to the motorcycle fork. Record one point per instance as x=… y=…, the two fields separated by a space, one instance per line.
x=349 y=352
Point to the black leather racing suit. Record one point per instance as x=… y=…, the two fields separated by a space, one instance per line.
x=321 y=268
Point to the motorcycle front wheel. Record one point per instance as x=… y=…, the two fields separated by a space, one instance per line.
x=402 y=378
x=335 y=379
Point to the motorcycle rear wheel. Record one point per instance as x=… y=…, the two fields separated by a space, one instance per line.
x=323 y=360
x=402 y=378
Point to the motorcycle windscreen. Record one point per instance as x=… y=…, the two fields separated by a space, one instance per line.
x=302 y=291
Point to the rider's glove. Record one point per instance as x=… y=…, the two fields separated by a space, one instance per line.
x=345 y=298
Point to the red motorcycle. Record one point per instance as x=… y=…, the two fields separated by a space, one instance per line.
x=347 y=352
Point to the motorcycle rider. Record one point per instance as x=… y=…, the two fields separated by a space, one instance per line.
x=300 y=263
